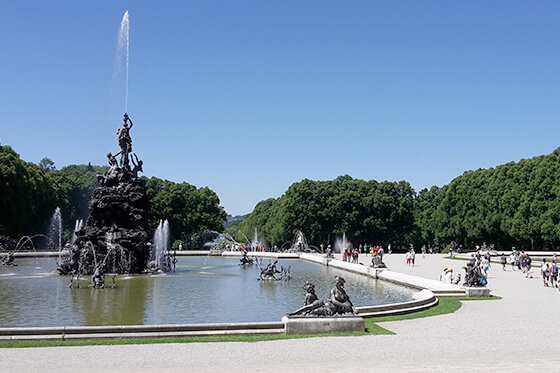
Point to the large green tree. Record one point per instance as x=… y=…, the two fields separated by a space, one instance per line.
x=367 y=211
x=74 y=186
x=27 y=198
x=188 y=209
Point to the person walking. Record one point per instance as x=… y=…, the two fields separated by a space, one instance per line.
x=512 y=261
x=503 y=261
x=527 y=267
x=485 y=266
x=554 y=274
x=545 y=272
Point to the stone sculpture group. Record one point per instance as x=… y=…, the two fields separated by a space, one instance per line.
x=269 y=272
x=338 y=302
x=115 y=237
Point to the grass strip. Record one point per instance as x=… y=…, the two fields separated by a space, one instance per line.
x=445 y=305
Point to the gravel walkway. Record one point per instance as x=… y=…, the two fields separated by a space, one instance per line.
x=516 y=334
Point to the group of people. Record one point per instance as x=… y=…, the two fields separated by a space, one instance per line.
x=476 y=271
x=520 y=260
x=549 y=272
x=549 y=269
x=236 y=247
x=350 y=255
x=373 y=249
x=449 y=277
x=353 y=255
x=410 y=257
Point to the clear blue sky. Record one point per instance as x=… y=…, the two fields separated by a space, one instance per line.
x=248 y=97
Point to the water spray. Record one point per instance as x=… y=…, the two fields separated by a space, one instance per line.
x=124 y=44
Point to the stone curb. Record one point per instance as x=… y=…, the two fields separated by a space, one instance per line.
x=139 y=331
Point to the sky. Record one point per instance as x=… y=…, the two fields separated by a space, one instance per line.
x=249 y=97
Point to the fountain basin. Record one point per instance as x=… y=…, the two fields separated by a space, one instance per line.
x=202 y=290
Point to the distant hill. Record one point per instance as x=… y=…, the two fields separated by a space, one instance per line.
x=232 y=219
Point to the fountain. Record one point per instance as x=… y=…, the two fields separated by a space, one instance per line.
x=79 y=225
x=256 y=243
x=118 y=217
x=245 y=260
x=114 y=240
x=159 y=260
x=269 y=272
x=341 y=243
x=55 y=230
x=299 y=245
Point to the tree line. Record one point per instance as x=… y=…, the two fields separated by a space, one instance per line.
x=29 y=194
x=367 y=211
x=515 y=204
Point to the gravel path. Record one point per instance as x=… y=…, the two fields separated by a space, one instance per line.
x=515 y=334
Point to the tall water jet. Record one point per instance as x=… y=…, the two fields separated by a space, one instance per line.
x=256 y=242
x=341 y=243
x=55 y=231
x=79 y=225
x=160 y=246
x=123 y=48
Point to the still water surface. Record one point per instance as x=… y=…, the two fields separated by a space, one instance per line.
x=202 y=290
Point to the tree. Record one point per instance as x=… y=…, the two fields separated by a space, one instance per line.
x=74 y=186
x=187 y=209
x=47 y=165
x=27 y=199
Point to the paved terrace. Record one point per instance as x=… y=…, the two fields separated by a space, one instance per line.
x=516 y=334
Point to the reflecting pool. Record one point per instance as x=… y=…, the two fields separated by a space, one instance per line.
x=203 y=289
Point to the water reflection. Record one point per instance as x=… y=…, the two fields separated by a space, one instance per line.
x=202 y=290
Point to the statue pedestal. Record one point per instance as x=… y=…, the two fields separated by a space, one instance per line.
x=477 y=292
x=317 y=325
